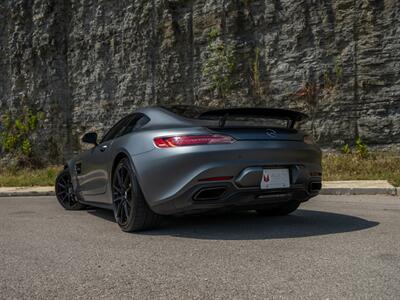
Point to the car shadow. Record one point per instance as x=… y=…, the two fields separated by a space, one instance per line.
x=251 y=226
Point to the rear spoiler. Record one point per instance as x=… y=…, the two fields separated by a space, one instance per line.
x=276 y=113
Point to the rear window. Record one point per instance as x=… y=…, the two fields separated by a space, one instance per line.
x=187 y=111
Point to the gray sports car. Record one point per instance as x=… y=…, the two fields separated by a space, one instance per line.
x=184 y=160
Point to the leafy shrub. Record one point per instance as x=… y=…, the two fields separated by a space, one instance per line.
x=361 y=149
x=17 y=132
x=220 y=64
x=332 y=78
x=346 y=149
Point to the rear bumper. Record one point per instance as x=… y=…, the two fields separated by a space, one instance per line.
x=232 y=198
x=242 y=192
x=170 y=178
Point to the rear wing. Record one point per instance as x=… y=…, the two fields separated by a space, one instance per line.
x=275 y=113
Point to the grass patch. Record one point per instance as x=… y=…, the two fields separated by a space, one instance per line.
x=29 y=177
x=376 y=166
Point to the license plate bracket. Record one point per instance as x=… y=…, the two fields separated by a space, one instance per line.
x=275 y=179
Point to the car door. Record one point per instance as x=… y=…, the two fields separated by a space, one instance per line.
x=93 y=166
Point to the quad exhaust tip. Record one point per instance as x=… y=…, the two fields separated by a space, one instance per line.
x=213 y=193
x=315 y=186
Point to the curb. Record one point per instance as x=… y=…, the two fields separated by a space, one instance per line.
x=26 y=192
x=360 y=191
x=359 y=187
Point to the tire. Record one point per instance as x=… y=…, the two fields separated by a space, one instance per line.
x=65 y=192
x=281 y=210
x=131 y=210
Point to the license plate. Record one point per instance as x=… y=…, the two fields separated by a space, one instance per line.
x=275 y=179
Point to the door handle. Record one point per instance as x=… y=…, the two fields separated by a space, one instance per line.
x=103 y=148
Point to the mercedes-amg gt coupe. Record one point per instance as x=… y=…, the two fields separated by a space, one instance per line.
x=180 y=160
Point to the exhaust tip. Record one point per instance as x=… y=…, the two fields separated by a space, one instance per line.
x=214 y=193
x=315 y=186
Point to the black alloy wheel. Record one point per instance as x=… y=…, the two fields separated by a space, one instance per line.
x=65 y=192
x=131 y=210
x=122 y=195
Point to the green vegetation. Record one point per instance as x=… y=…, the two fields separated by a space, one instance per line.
x=220 y=64
x=29 y=177
x=16 y=134
x=213 y=34
x=346 y=149
x=255 y=70
x=359 y=163
x=338 y=69
x=353 y=166
x=360 y=149
x=328 y=84
x=333 y=80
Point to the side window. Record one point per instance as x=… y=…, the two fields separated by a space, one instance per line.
x=137 y=122
x=141 y=122
x=116 y=129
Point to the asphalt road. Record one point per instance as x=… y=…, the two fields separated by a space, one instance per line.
x=334 y=247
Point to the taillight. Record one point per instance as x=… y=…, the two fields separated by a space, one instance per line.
x=220 y=178
x=192 y=140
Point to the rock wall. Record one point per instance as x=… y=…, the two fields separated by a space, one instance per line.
x=87 y=63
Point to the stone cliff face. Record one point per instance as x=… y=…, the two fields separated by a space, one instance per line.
x=87 y=63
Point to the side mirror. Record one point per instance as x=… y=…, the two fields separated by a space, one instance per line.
x=90 y=138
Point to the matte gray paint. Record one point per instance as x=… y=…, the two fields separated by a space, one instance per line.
x=165 y=174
